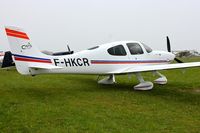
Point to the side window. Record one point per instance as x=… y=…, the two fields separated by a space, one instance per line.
x=134 y=48
x=117 y=50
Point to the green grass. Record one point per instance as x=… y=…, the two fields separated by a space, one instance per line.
x=77 y=104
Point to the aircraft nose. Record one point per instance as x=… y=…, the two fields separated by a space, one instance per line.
x=171 y=56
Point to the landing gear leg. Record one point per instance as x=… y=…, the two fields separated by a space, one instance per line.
x=162 y=80
x=108 y=80
x=143 y=85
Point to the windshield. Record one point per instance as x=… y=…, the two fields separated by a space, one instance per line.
x=148 y=49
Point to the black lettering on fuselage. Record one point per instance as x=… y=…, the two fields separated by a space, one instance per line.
x=67 y=62
x=72 y=62
x=86 y=62
x=56 y=61
x=78 y=60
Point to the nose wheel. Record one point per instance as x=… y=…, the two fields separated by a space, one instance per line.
x=162 y=80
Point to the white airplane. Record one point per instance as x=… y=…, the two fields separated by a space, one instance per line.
x=124 y=57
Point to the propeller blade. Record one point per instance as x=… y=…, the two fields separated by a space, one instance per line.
x=169 y=50
x=177 y=60
x=168 y=45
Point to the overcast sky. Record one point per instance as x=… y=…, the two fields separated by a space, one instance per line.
x=52 y=24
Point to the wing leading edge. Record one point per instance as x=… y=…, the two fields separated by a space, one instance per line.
x=156 y=67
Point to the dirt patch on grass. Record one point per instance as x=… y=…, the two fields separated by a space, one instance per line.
x=196 y=91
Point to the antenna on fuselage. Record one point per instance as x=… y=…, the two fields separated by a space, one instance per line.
x=69 y=50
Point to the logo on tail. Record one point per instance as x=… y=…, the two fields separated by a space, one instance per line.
x=26 y=46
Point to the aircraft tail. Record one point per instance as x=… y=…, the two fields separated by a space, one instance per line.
x=24 y=52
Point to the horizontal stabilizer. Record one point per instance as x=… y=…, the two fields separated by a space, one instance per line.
x=43 y=66
x=7 y=60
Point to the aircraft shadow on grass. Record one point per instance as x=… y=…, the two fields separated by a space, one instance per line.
x=168 y=93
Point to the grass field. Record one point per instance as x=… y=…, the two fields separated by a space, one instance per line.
x=77 y=104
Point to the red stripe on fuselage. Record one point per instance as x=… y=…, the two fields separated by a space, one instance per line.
x=17 y=34
x=32 y=60
x=124 y=62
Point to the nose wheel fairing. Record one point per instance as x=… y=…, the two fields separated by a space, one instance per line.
x=162 y=80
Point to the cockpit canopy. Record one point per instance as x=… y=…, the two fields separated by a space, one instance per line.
x=133 y=47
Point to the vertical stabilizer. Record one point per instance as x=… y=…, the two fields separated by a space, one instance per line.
x=23 y=51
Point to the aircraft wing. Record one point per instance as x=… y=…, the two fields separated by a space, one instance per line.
x=157 y=67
